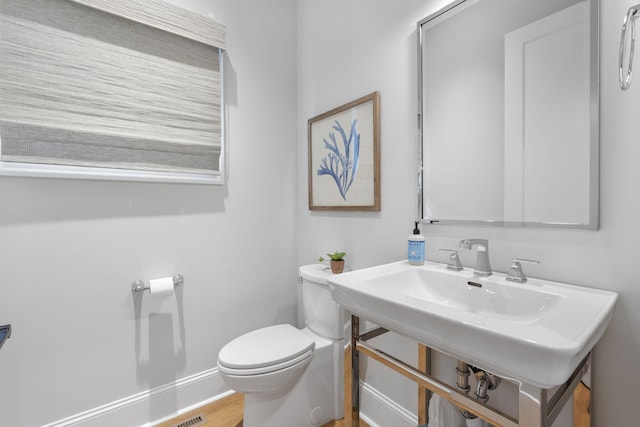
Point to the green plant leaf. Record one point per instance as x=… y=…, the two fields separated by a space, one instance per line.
x=337 y=256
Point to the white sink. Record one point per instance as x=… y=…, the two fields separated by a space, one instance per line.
x=536 y=332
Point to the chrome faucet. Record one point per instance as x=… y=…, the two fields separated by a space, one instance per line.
x=454 y=263
x=483 y=266
x=515 y=271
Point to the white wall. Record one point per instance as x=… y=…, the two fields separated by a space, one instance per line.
x=349 y=48
x=69 y=250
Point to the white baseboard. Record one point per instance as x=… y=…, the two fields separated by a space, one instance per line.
x=203 y=388
x=377 y=410
x=155 y=405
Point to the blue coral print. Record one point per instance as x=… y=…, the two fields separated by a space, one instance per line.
x=342 y=166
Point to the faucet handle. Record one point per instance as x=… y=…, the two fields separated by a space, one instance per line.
x=516 y=274
x=454 y=260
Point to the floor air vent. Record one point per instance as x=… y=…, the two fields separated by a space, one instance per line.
x=195 y=421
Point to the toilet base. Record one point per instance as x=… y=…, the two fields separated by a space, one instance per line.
x=314 y=400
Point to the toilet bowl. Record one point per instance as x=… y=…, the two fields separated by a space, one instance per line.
x=265 y=360
x=291 y=376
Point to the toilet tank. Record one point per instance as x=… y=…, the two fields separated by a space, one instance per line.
x=321 y=314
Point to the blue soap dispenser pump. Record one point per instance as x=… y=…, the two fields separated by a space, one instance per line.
x=415 y=253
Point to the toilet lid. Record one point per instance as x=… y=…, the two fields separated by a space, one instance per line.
x=265 y=347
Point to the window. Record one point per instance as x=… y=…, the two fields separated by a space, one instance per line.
x=117 y=89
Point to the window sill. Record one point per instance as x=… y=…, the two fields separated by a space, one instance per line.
x=77 y=172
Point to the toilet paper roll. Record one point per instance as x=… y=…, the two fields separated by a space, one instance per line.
x=161 y=287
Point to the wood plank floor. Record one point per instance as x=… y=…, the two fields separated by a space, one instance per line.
x=227 y=412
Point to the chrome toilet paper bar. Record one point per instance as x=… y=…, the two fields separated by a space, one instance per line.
x=629 y=20
x=139 y=285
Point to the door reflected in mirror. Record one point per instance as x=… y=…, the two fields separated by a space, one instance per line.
x=509 y=113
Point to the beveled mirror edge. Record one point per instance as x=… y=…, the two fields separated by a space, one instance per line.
x=594 y=134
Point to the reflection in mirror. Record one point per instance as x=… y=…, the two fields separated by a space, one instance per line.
x=509 y=113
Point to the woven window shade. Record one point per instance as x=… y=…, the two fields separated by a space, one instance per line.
x=119 y=84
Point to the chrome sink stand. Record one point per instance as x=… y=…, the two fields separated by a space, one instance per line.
x=536 y=408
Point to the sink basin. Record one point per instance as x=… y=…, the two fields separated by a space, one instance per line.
x=535 y=332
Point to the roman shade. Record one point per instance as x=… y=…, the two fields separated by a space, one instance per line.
x=114 y=84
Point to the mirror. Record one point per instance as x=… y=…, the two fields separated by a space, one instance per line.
x=508 y=113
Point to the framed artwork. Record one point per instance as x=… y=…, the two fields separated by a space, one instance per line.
x=344 y=157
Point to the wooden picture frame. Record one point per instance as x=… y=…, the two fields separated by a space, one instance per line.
x=344 y=157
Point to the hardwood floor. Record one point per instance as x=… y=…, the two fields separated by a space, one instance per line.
x=227 y=412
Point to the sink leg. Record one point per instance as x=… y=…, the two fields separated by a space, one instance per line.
x=591 y=378
x=583 y=400
x=424 y=366
x=355 y=372
x=532 y=406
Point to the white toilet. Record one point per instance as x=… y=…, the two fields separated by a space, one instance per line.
x=292 y=377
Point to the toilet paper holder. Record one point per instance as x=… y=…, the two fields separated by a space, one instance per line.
x=139 y=285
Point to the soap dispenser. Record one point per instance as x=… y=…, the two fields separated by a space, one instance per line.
x=415 y=253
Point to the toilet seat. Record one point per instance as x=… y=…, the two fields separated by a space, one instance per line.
x=265 y=369
x=265 y=350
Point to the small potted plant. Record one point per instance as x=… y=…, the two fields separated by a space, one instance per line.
x=337 y=261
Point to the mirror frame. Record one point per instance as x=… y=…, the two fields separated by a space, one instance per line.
x=594 y=131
